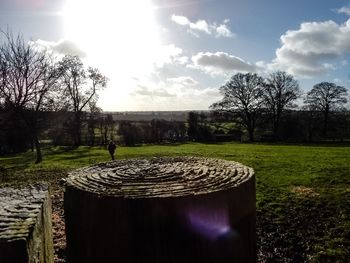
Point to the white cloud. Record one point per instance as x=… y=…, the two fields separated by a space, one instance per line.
x=344 y=10
x=203 y=26
x=152 y=92
x=181 y=20
x=221 y=63
x=199 y=98
x=168 y=61
x=200 y=25
x=61 y=47
x=224 y=31
x=163 y=29
x=141 y=90
x=173 y=96
x=174 y=93
x=182 y=60
x=312 y=49
x=168 y=54
x=183 y=80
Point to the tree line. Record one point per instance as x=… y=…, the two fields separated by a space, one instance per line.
x=253 y=101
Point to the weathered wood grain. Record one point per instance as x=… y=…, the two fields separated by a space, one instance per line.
x=184 y=209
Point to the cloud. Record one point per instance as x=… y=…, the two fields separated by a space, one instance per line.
x=167 y=61
x=168 y=54
x=181 y=20
x=202 y=26
x=152 y=92
x=199 y=98
x=61 y=47
x=310 y=50
x=173 y=96
x=223 y=30
x=183 y=80
x=182 y=60
x=344 y=10
x=221 y=62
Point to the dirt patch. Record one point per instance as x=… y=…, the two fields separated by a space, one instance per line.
x=304 y=191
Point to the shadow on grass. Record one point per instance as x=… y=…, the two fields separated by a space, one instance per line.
x=311 y=144
x=78 y=156
x=303 y=229
x=59 y=149
x=16 y=162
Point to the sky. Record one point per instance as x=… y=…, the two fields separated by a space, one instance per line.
x=175 y=54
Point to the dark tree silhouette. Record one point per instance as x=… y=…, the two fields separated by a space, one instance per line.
x=129 y=133
x=325 y=97
x=80 y=87
x=109 y=125
x=193 y=123
x=106 y=125
x=178 y=131
x=199 y=128
x=280 y=91
x=311 y=118
x=242 y=96
x=28 y=78
x=92 y=122
x=159 y=129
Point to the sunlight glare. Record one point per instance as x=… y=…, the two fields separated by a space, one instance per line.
x=120 y=37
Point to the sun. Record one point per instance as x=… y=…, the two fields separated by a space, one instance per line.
x=120 y=35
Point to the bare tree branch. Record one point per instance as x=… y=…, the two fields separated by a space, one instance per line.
x=280 y=90
x=28 y=76
x=242 y=95
x=326 y=97
x=80 y=88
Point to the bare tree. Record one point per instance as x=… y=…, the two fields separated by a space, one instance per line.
x=80 y=88
x=242 y=96
x=280 y=91
x=193 y=123
x=326 y=97
x=92 y=122
x=28 y=76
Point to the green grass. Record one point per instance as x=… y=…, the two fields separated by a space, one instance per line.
x=303 y=192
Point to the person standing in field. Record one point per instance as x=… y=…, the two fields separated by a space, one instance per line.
x=111 y=149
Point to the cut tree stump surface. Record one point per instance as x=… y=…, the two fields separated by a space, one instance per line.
x=161 y=210
x=160 y=177
x=25 y=225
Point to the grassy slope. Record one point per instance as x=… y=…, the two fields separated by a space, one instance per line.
x=303 y=192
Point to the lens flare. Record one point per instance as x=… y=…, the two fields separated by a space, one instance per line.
x=211 y=223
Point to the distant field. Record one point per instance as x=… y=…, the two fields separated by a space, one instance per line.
x=303 y=192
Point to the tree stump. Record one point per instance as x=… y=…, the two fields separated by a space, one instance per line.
x=25 y=225
x=184 y=209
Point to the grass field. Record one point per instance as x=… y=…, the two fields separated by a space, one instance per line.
x=303 y=192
